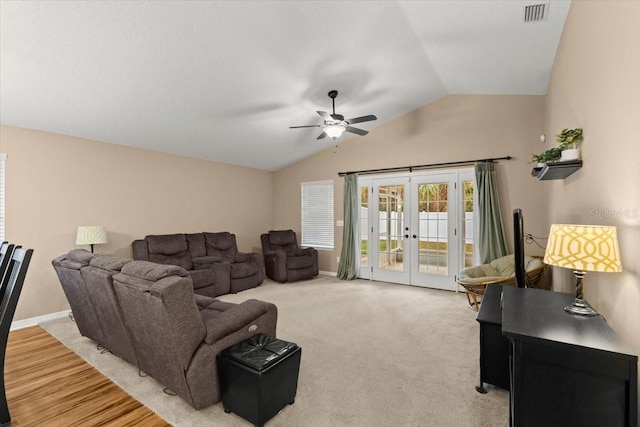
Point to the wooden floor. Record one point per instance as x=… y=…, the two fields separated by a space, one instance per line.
x=49 y=385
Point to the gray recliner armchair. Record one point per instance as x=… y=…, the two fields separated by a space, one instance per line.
x=284 y=260
x=246 y=269
x=178 y=335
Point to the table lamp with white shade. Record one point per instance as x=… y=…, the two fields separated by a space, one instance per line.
x=583 y=248
x=91 y=235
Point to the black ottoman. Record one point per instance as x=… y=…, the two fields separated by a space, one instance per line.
x=259 y=377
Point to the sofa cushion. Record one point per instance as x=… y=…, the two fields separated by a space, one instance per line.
x=80 y=255
x=298 y=262
x=504 y=266
x=109 y=262
x=169 y=249
x=221 y=245
x=531 y=263
x=152 y=271
x=284 y=240
x=243 y=269
x=282 y=237
x=203 y=261
x=195 y=241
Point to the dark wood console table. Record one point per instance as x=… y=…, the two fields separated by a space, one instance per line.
x=494 y=347
x=565 y=370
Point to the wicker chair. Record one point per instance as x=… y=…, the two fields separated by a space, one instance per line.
x=500 y=271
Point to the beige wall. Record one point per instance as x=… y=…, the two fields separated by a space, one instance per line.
x=454 y=128
x=57 y=182
x=595 y=85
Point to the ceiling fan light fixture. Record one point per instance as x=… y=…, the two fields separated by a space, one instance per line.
x=334 y=131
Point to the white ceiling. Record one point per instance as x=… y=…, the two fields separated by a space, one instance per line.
x=224 y=80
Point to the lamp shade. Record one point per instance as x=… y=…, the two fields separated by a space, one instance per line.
x=91 y=235
x=584 y=248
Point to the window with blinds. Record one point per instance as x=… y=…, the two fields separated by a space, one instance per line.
x=317 y=214
x=3 y=161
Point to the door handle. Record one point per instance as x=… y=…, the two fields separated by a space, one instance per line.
x=406 y=236
x=414 y=236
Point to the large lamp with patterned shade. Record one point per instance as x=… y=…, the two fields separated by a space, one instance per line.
x=91 y=235
x=583 y=248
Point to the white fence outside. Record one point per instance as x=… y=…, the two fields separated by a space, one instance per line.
x=433 y=226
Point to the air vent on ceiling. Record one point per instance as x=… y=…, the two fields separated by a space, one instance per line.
x=536 y=12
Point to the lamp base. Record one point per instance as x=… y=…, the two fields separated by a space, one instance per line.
x=581 y=308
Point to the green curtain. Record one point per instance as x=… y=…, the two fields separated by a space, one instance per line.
x=347 y=269
x=492 y=239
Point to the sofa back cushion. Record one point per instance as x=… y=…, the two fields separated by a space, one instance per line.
x=221 y=245
x=169 y=249
x=160 y=311
x=68 y=268
x=98 y=277
x=285 y=240
x=196 y=244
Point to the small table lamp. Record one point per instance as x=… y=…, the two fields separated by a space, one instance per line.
x=91 y=235
x=583 y=248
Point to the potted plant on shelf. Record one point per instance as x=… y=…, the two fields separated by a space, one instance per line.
x=552 y=155
x=569 y=140
x=540 y=159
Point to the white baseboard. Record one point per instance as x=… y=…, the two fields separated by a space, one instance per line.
x=33 y=321
x=328 y=273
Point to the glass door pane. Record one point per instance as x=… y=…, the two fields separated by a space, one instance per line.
x=433 y=230
x=387 y=250
x=364 y=227
x=433 y=242
x=468 y=201
x=391 y=222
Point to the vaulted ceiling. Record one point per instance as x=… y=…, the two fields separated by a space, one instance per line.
x=224 y=80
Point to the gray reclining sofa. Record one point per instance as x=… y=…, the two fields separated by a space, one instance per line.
x=212 y=260
x=149 y=315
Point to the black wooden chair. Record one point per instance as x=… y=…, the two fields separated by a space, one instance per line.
x=12 y=282
x=6 y=249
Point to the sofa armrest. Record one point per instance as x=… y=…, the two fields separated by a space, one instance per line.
x=305 y=251
x=234 y=319
x=242 y=257
x=275 y=264
x=202 y=278
x=140 y=250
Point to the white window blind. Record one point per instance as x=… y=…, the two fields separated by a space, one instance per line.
x=3 y=160
x=317 y=214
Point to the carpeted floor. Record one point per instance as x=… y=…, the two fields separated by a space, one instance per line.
x=373 y=354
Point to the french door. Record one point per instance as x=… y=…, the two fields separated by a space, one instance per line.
x=417 y=229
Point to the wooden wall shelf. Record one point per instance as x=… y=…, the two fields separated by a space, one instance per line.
x=558 y=170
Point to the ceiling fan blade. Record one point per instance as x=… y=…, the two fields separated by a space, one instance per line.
x=325 y=116
x=308 y=126
x=322 y=135
x=338 y=117
x=362 y=119
x=356 y=130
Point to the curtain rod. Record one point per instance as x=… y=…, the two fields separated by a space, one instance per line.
x=431 y=166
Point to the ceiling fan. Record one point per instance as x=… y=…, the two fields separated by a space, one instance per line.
x=335 y=124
